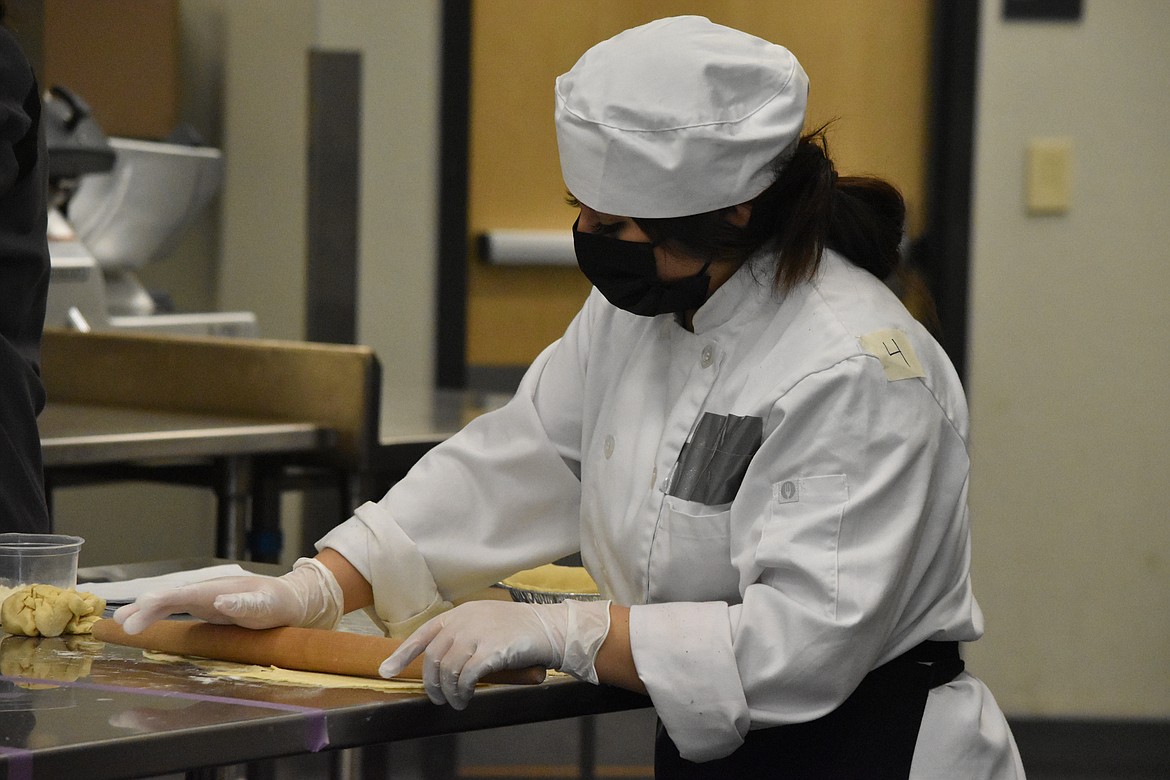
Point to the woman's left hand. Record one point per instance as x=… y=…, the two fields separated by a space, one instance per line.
x=480 y=637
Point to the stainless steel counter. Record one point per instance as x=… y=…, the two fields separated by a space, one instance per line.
x=70 y=703
x=74 y=706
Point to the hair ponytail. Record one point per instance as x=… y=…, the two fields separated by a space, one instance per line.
x=809 y=208
x=804 y=211
x=867 y=224
x=796 y=212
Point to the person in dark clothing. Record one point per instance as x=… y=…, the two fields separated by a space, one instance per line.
x=24 y=286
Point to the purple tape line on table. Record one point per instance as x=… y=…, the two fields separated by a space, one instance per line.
x=19 y=763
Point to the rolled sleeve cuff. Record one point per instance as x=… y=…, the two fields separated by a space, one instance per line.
x=685 y=658
x=405 y=593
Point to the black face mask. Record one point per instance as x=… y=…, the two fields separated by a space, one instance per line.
x=627 y=275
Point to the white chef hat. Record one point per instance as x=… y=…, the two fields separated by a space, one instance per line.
x=677 y=117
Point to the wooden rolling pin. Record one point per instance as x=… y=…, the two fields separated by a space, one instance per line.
x=304 y=649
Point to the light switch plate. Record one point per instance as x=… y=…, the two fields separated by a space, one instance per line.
x=1048 y=186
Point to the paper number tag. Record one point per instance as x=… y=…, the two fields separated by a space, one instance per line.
x=893 y=348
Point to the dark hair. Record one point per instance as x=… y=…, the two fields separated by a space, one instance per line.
x=806 y=209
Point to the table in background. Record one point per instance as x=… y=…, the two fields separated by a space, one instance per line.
x=87 y=443
x=247 y=461
x=233 y=402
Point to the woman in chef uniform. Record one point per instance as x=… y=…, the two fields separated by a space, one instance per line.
x=759 y=454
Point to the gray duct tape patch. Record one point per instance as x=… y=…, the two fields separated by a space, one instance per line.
x=712 y=464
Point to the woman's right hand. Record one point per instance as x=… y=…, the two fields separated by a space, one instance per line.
x=307 y=596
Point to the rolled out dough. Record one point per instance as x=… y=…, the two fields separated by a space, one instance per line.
x=275 y=674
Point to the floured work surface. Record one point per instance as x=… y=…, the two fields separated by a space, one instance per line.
x=133 y=715
x=230 y=670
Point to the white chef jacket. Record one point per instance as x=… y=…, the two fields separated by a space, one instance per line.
x=845 y=544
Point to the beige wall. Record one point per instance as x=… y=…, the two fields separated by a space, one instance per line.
x=399 y=42
x=1069 y=365
x=262 y=205
x=262 y=255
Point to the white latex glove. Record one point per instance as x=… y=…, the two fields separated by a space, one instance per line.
x=480 y=637
x=307 y=596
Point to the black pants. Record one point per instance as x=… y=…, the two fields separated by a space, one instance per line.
x=871 y=736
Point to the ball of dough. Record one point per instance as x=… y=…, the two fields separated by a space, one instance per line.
x=45 y=610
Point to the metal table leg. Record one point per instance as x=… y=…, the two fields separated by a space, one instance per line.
x=234 y=495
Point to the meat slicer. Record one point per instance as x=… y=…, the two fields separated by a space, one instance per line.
x=118 y=204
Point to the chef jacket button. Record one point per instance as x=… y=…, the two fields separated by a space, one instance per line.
x=707 y=357
x=609 y=446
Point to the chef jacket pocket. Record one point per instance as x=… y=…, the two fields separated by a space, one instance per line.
x=690 y=559
x=798 y=544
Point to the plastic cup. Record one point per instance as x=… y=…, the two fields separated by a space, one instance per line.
x=39 y=559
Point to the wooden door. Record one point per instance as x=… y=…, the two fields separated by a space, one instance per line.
x=868 y=65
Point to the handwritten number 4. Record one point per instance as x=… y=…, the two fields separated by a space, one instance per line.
x=897 y=351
